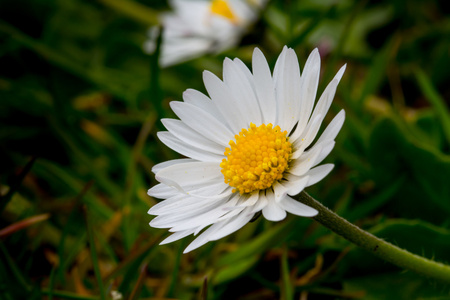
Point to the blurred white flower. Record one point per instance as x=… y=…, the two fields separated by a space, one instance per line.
x=196 y=27
x=249 y=147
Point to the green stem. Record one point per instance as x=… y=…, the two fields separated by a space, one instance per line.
x=376 y=246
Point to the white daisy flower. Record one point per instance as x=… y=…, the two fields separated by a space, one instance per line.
x=196 y=27
x=249 y=148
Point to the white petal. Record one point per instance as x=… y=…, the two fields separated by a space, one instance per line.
x=250 y=201
x=305 y=162
x=202 y=101
x=182 y=205
x=297 y=208
x=158 y=167
x=188 y=150
x=327 y=96
x=326 y=149
x=333 y=128
x=189 y=174
x=295 y=184
x=169 y=201
x=176 y=236
x=308 y=87
x=191 y=137
x=225 y=102
x=272 y=211
x=264 y=87
x=192 y=218
x=242 y=91
x=205 y=218
x=202 y=122
x=232 y=225
x=203 y=238
x=278 y=70
x=162 y=191
x=262 y=202
x=304 y=141
x=287 y=91
x=318 y=173
x=280 y=191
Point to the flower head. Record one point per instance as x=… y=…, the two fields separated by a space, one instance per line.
x=249 y=147
x=196 y=27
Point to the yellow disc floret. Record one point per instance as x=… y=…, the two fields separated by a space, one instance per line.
x=257 y=158
x=221 y=8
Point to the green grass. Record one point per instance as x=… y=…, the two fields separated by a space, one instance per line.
x=80 y=105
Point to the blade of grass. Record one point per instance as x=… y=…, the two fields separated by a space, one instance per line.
x=64 y=260
x=14 y=271
x=272 y=236
x=23 y=224
x=133 y=256
x=176 y=268
x=137 y=287
x=437 y=102
x=287 y=291
x=134 y=10
x=204 y=290
x=130 y=184
x=235 y=270
x=94 y=257
x=377 y=71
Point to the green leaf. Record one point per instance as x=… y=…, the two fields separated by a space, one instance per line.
x=394 y=152
x=234 y=270
x=437 y=102
x=392 y=286
x=258 y=245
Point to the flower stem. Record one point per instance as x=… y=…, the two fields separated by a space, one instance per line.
x=375 y=245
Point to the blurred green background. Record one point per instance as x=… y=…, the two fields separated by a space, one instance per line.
x=80 y=105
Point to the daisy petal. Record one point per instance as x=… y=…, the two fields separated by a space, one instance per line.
x=305 y=162
x=273 y=211
x=333 y=128
x=297 y=208
x=158 y=167
x=318 y=173
x=202 y=101
x=264 y=87
x=187 y=150
x=308 y=87
x=326 y=99
x=162 y=191
x=295 y=184
x=288 y=89
x=191 y=137
x=242 y=90
x=232 y=225
x=202 y=122
x=225 y=102
x=176 y=236
x=189 y=174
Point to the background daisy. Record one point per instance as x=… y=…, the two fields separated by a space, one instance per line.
x=197 y=27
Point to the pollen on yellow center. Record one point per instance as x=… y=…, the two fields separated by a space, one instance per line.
x=221 y=8
x=257 y=159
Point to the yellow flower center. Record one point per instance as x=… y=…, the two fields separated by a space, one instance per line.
x=221 y=8
x=257 y=159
